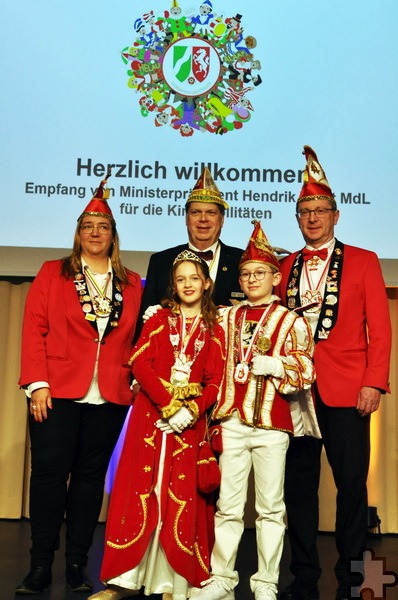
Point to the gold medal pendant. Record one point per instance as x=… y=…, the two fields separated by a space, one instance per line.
x=263 y=344
x=102 y=306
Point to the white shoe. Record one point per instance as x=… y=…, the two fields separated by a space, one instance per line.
x=215 y=590
x=264 y=592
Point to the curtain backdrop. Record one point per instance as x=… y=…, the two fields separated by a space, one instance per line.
x=14 y=439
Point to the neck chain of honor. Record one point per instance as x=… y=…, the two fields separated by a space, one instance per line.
x=245 y=356
x=181 y=369
x=102 y=304
x=312 y=294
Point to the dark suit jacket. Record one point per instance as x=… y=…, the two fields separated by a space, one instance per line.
x=226 y=283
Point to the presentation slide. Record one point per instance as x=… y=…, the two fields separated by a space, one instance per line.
x=159 y=89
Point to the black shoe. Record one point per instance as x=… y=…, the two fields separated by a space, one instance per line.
x=37 y=580
x=296 y=591
x=78 y=579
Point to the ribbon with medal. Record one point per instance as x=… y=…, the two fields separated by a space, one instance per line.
x=242 y=368
x=102 y=304
x=92 y=307
x=313 y=301
x=181 y=369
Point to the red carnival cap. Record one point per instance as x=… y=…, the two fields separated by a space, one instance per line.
x=259 y=249
x=315 y=183
x=98 y=205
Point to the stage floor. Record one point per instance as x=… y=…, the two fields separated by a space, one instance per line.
x=14 y=564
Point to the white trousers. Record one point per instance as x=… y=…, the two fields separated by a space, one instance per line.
x=245 y=447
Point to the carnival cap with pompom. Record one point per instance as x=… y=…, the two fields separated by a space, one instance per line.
x=315 y=186
x=205 y=190
x=98 y=205
x=259 y=249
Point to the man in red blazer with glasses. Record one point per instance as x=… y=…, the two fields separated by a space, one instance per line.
x=340 y=289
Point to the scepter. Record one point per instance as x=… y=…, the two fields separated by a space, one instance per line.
x=263 y=345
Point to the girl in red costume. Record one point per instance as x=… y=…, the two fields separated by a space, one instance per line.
x=159 y=532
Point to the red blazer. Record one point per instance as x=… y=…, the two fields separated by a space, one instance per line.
x=357 y=351
x=59 y=345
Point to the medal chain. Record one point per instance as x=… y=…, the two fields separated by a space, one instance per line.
x=308 y=278
x=244 y=356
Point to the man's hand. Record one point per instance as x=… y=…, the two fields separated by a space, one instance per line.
x=368 y=400
x=40 y=401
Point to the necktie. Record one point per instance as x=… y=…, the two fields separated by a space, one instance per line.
x=207 y=255
x=307 y=254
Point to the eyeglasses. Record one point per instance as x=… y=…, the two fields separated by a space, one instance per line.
x=102 y=229
x=258 y=275
x=211 y=214
x=319 y=213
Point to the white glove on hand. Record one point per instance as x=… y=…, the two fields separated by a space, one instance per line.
x=181 y=419
x=267 y=365
x=150 y=311
x=164 y=426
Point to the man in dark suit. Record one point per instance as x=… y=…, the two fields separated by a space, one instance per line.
x=205 y=209
x=341 y=292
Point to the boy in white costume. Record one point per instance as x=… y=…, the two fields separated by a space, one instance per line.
x=269 y=355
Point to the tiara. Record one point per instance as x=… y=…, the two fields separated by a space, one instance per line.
x=187 y=255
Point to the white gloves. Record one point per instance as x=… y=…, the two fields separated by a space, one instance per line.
x=164 y=426
x=150 y=311
x=177 y=422
x=181 y=419
x=267 y=365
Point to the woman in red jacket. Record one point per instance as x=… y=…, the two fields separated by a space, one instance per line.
x=160 y=526
x=79 y=322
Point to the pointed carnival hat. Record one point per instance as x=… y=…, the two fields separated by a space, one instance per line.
x=315 y=185
x=205 y=190
x=259 y=249
x=98 y=205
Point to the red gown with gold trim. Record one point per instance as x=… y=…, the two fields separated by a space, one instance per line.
x=186 y=530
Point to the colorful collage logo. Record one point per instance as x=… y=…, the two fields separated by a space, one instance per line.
x=194 y=71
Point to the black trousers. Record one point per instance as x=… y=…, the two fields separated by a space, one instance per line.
x=70 y=455
x=346 y=438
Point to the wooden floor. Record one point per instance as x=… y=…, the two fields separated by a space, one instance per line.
x=14 y=564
